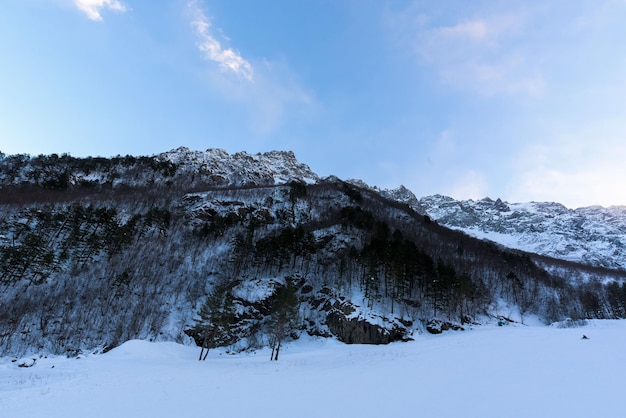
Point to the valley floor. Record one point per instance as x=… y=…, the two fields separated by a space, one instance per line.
x=489 y=371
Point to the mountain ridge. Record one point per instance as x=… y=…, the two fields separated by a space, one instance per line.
x=594 y=235
x=215 y=249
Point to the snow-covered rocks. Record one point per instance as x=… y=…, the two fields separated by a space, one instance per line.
x=593 y=235
x=241 y=168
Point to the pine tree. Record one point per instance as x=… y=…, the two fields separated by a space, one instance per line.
x=284 y=317
x=216 y=315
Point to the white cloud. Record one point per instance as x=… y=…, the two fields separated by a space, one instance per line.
x=92 y=8
x=479 y=51
x=273 y=97
x=211 y=48
x=568 y=60
x=520 y=49
x=266 y=90
x=476 y=55
x=476 y=30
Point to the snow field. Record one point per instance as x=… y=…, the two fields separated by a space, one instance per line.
x=489 y=371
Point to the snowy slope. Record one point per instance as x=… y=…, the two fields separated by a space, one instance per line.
x=182 y=166
x=275 y=167
x=592 y=235
x=486 y=372
x=133 y=256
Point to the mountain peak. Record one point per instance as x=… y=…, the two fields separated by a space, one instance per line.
x=273 y=167
x=213 y=167
x=594 y=235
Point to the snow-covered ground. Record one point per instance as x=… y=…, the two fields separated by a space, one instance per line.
x=489 y=371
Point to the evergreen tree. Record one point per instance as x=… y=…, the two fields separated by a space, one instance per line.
x=216 y=315
x=284 y=317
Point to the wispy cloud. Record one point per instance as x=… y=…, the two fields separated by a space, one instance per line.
x=477 y=55
x=476 y=30
x=267 y=90
x=93 y=8
x=227 y=59
x=481 y=52
x=274 y=97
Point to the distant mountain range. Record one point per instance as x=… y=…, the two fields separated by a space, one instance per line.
x=592 y=235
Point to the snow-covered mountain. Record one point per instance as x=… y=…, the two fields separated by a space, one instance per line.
x=274 y=167
x=181 y=167
x=98 y=251
x=592 y=235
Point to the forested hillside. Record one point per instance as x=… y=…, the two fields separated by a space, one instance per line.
x=248 y=250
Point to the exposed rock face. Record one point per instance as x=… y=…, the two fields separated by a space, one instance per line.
x=346 y=323
x=341 y=317
x=181 y=166
x=401 y=194
x=253 y=303
x=337 y=316
x=221 y=168
x=436 y=326
x=360 y=331
x=593 y=235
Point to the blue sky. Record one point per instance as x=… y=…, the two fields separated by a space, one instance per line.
x=522 y=100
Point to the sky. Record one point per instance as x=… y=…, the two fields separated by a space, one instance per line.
x=513 y=99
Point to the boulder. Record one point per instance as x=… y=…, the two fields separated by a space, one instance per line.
x=357 y=330
x=437 y=326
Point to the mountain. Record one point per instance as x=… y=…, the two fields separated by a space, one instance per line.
x=592 y=235
x=217 y=166
x=186 y=168
x=249 y=250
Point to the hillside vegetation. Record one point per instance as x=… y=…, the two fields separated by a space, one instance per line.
x=247 y=251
